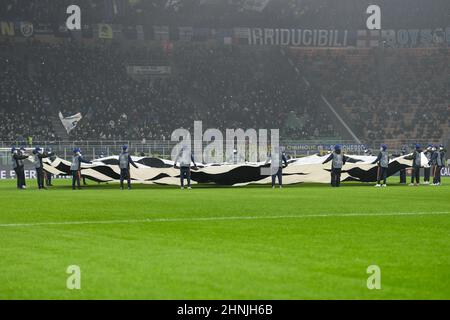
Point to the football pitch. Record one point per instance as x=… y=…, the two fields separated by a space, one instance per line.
x=307 y=241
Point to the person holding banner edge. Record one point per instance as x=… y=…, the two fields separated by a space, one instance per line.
x=185 y=157
x=17 y=160
x=383 y=165
x=277 y=171
x=438 y=162
x=124 y=164
x=39 y=154
x=427 y=170
x=416 y=164
x=77 y=159
x=338 y=161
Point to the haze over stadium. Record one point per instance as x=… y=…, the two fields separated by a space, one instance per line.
x=333 y=96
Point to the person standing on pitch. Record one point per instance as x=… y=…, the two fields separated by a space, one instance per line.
x=77 y=159
x=438 y=159
x=277 y=171
x=39 y=154
x=403 y=152
x=426 y=171
x=185 y=158
x=17 y=161
x=48 y=175
x=383 y=165
x=416 y=164
x=338 y=161
x=124 y=164
x=433 y=162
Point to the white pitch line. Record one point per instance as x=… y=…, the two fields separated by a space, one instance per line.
x=132 y=221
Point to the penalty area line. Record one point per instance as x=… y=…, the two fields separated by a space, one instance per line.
x=229 y=218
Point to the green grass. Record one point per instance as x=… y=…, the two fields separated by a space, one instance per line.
x=298 y=257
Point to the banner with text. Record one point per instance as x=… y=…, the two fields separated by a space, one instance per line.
x=295 y=37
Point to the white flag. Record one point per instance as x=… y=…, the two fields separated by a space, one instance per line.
x=70 y=122
x=255 y=5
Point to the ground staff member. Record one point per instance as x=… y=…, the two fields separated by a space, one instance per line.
x=77 y=159
x=39 y=154
x=338 y=161
x=124 y=164
x=279 y=171
x=438 y=161
x=48 y=175
x=427 y=170
x=185 y=158
x=17 y=162
x=383 y=165
x=416 y=164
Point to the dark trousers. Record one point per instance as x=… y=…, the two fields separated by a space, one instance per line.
x=336 y=177
x=20 y=175
x=40 y=177
x=75 y=179
x=48 y=178
x=382 y=174
x=437 y=174
x=426 y=174
x=185 y=172
x=125 y=174
x=403 y=176
x=415 y=174
x=279 y=174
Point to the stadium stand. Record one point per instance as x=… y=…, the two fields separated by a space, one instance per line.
x=224 y=86
x=231 y=13
x=385 y=92
x=380 y=93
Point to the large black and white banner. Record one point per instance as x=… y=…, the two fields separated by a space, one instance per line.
x=160 y=171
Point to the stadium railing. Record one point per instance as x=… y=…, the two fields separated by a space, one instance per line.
x=159 y=148
x=162 y=148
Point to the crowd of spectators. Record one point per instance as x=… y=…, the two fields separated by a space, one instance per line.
x=23 y=107
x=223 y=86
x=386 y=94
